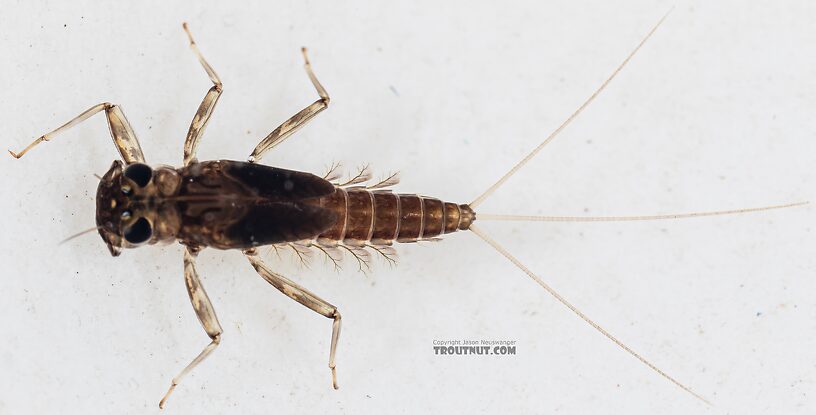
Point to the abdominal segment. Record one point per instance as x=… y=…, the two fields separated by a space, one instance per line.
x=377 y=217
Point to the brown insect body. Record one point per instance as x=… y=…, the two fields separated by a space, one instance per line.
x=228 y=204
x=380 y=217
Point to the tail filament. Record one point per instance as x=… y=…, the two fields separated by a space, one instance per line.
x=569 y=119
x=537 y=279
x=484 y=216
x=578 y=312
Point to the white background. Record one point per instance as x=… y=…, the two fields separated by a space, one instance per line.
x=716 y=112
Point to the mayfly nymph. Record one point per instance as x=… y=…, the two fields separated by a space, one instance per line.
x=244 y=205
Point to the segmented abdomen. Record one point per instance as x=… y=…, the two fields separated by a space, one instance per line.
x=381 y=217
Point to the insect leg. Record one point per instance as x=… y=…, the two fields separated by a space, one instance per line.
x=122 y=133
x=206 y=315
x=298 y=120
x=306 y=298
x=202 y=116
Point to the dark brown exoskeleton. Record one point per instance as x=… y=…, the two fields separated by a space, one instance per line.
x=243 y=205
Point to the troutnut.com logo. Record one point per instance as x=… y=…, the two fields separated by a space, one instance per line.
x=474 y=347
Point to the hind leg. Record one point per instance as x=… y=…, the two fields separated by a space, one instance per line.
x=306 y=298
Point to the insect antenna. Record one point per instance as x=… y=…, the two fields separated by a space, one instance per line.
x=580 y=314
x=566 y=122
x=78 y=234
x=483 y=216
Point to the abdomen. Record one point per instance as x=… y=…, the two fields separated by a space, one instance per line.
x=381 y=217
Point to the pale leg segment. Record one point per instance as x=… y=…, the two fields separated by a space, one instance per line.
x=122 y=133
x=205 y=109
x=296 y=121
x=303 y=296
x=206 y=315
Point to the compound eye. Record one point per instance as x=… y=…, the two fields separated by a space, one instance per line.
x=139 y=232
x=139 y=173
